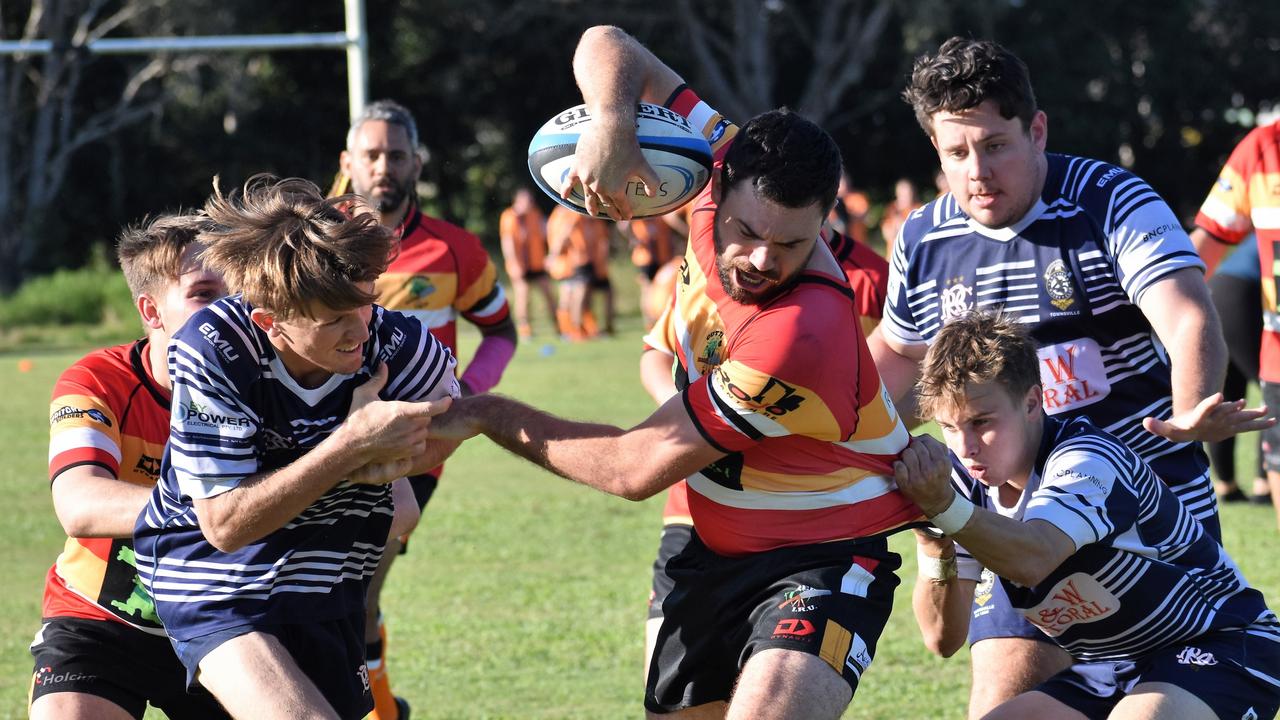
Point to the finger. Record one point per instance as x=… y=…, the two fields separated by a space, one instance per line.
x=566 y=184
x=1156 y=426
x=377 y=380
x=1205 y=406
x=650 y=178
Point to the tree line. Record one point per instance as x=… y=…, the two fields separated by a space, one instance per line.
x=90 y=142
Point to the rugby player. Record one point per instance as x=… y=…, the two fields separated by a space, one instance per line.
x=1243 y=200
x=522 y=230
x=297 y=402
x=1094 y=262
x=786 y=441
x=101 y=652
x=1089 y=545
x=439 y=271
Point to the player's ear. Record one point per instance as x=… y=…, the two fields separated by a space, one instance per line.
x=1039 y=130
x=1033 y=401
x=265 y=320
x=149 y=310
x=344 y=162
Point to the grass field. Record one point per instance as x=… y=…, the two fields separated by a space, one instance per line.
x=522 y=596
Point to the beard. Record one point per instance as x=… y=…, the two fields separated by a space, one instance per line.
x=775 y=285
x=388 y=197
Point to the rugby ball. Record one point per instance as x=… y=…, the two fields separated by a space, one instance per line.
x=677 y=151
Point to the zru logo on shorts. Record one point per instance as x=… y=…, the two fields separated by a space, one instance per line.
x=1196 y=656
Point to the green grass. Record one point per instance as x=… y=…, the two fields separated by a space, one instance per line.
x=522 y=596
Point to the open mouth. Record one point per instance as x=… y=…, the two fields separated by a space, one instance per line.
x=751 y=281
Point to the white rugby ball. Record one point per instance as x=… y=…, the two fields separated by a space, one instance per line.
x=677 y=151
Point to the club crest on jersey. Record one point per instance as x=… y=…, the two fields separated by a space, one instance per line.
x=1196 y=656
x=420 y=286
x=956 y=300
x=1057 y=282
x=711 y=356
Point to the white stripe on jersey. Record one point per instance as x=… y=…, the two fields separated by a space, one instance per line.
x=433 y=318
x=867 y=488
x=83 y=437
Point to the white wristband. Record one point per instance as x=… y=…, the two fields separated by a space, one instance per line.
x=953 y=519
x=938 y=570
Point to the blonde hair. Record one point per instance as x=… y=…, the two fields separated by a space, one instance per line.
x=976 y=348
x=285 y=246
x=150 y=252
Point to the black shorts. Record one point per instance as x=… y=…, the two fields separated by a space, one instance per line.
x=1271 y=436
x=600 y=283
x=649 y=270
x=674 y=539
x=118 y=663
x=831 y=600
x=330 y=653
x=531 y=275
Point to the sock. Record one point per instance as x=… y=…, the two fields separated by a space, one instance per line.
x=384 y=702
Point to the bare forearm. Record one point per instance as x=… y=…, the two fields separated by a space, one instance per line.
x=1198 y=359
x=96 y=506
x=1024 y=552
x=942 y=611
x=615 y=92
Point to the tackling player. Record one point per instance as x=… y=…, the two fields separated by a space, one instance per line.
x=101 y=652
x=787 y=581
x=1098 y=267
x=439 y=271
x=1089 y=545
x=290 y=422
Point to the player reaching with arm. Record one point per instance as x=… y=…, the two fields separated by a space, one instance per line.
x=1098 y=267
x=1089 y=545
x=439 y=271
x=101 y=652
x=296 y=404
x=787 y=567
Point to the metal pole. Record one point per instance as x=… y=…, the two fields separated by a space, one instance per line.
x=130 y=46
x=357 y=58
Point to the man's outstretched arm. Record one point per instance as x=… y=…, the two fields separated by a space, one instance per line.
x=633 y=464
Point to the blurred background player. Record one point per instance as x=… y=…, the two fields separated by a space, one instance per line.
x=905 y=199
x=849 y=216
x=522 y=229
x=1244 y=200
x=655 y=242
x=101 y=653
x=1236 y=287
x=439 y=271
x=580 y=251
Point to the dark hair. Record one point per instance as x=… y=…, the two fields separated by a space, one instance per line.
x=151 y=251
x=285 y=246
x=963 y=75
x=976 y=348
x=787 y=159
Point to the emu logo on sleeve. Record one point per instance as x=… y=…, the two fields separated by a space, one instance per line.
x=1078 y=598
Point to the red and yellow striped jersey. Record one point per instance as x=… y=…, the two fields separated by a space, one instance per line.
x=106 y=411
x=441 y=271
x=1246 y=198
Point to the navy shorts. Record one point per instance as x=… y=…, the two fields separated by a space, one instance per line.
x=330 y=653
x=994 y=616
x=118 y=663
x=831 y=600
x=1233 y=672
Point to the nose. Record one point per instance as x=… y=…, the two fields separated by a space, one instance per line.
x=979 y=168
x=380 y=164
x=969 y=445
x=761 y=257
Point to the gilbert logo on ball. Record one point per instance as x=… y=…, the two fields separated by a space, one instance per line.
x=677 y=151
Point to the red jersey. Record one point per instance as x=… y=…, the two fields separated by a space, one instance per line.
x=789 y=391
x=108 y=411
x=440 y=272
x=1246 y=198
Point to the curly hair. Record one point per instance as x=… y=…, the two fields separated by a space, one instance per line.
x=786 y=158
x=287 y=248
x=965 y=73
x=976 y=348
x=150 y=252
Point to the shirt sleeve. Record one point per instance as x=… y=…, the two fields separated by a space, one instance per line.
x=480 y=298
x=1225 y=213
x=212 y=430
x=1144 y=237
x=83 y=427
x=419 y=367
x=1074 y=495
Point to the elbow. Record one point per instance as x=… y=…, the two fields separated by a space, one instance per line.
x=223 y=539
x=74 y=523
x=603 y=33
x=1027 y=576
x=942 y=646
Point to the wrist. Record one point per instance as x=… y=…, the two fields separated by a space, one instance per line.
x=953 y=519
x=939 y=570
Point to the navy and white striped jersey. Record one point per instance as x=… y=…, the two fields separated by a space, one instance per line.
x=1145 y=574
x=1073 y=270
x=237 y=412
